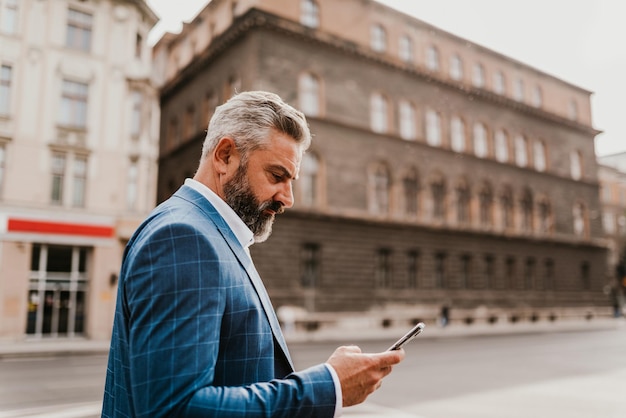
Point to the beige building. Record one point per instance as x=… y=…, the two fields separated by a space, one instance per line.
x=78 y=150
x=612 y=176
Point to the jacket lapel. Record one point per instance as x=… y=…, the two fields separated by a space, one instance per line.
x=192 y=196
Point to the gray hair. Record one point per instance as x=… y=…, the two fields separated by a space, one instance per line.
x=248 y=118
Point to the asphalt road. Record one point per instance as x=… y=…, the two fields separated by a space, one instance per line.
x=571 y=374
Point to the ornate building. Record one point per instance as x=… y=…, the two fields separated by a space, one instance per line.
x=441 y=172
x=78 y=158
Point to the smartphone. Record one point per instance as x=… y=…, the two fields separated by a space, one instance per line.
x=414 y=332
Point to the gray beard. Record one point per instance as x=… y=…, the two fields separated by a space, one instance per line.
x=241 y=199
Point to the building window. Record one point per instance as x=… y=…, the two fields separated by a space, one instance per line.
x=79 y=27
x=580 y=223
x=433 y=128
x=79 y=181
x=57 y=291
x=489 y=272
x=379 y=111
x=478 y=75
x=510 y=275
x=438 y=190
x=608 y=221
x=189 y=122
x=407 y=120
x=440 y=270
x=132 y=185
x=6 y=74
x=527 y=211
x=518 y=90
x=537 y=99
x=572 y=110
x=585 y=275
x=209 y=103
x=309 y=94
x=173 y=133
x=406 y=48
x=456 y=68
x=379 y=190
x=499 y=85
x=502 y=146
x=463 y=204
x=308 y=181
x=529 y=273
x=576 y=170
x=73 y=110
x=466 y=271
x=521 y=151
x=548 y=274
x=138 y=46
x=9 y=17
x=383 y=268
x=411 y=193
x=539 y=156
x=457 y=134
x=480 y=140
x=486 y=205
x=432 y=58
x=506 y=209
x=378 y=38
x=545 y=217
x=3 y=162
x=135 y=117
x=413 y=269
x=311 y=265
x=58 y=178
x=310 y=13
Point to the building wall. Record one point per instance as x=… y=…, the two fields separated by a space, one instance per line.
x=42 y=122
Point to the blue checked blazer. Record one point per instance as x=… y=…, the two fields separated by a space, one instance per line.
x=195 y=334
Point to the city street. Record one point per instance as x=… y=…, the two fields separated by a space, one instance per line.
x=566 y=374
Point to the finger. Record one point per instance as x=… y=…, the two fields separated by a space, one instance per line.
x=389 y=358
x=350 y=348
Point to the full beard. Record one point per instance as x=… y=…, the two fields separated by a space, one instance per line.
x=252 y=212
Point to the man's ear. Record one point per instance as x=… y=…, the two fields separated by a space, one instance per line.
x=225 y=156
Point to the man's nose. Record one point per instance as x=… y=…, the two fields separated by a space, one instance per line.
x=285 y=196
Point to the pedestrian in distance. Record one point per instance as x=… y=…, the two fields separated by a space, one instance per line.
x=194 y=333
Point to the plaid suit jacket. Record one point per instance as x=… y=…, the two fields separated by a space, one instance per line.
x=194 y=333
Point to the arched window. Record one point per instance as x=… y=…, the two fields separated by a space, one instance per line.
x=379 y=189
x=499 y=83
x=463 y=203
x=407 y=120
x=433 y=128
x=457 y=134
x=438 y=191
x=405 y=48
x=378 y=113
x=506 y=208
x=309 y=13
x=537 y=98
x=309 y=180
x=539 y=155
x=378 y=37
x=486 y=205
x=576 y=165
x=410 y=184
x=309 y=94
x=526 y=205
x=545 y=216
x=502 y=146
x=572 y=110
x=580 y=221
x=521 y=151
x=480 y=140
x=456 y=67
x=478 y=75
x=432 y=58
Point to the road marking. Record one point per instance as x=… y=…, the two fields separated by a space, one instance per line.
x=56 y=411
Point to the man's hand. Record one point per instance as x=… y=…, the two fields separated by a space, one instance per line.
x=360 y=373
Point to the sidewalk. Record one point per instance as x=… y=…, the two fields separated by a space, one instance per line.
x=80 y=346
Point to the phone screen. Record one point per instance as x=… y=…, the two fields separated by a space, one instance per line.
x=414 y=332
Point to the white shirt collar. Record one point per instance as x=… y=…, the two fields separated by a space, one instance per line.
x=240 y=229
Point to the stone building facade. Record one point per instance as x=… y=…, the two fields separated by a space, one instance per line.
x=78 y=158
x=441 y=172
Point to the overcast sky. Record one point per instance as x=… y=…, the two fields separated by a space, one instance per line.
x=579 y=41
